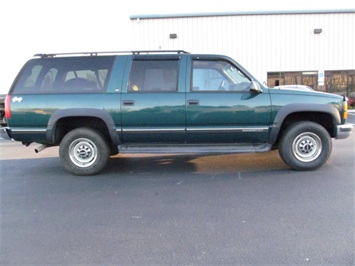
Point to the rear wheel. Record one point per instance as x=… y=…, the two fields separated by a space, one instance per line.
x=305 y=146
x=84 y=151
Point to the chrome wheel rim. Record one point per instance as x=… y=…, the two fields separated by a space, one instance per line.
x=83 y=152
x=307 y=147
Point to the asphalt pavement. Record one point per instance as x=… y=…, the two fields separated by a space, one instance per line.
x=351 y=117
x=245 y=209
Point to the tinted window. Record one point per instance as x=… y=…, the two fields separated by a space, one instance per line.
x=217 y=75
x=64 y=75
x=153 y=76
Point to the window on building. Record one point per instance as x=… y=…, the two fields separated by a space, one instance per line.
x=339 y=82
x=308 y=78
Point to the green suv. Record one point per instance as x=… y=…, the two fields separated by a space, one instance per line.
x=94 y=105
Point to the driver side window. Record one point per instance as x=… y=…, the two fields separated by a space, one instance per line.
x=206 y=77
x=217 y=75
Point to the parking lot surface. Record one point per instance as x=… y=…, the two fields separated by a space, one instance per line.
x=183 y=209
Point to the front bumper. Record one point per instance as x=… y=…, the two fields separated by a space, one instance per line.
x=343 y=131
x=5 y=133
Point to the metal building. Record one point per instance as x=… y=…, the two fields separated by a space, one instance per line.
x=314 y=48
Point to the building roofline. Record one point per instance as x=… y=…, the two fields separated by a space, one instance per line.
x=241 y=13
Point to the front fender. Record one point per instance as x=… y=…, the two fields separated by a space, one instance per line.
x=301 y=108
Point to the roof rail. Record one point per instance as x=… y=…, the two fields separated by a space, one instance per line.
x=160 y=51
x=111 y=53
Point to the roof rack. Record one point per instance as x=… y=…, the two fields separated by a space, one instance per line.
x=160 y=51
x=112 y=53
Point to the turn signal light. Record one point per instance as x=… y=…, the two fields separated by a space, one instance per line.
x=345 y=114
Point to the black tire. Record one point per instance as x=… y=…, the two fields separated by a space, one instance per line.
x=84 y=151
x=305 y=146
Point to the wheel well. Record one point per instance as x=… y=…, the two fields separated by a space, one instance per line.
x=323 y=119
x=66 y=124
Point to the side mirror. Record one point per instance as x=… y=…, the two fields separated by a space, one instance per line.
x=254 y=87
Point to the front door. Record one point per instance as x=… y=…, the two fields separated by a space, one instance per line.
x=220 y=106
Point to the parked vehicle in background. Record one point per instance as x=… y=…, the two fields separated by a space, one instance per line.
x=351 y=101
x=294 y=87
x=94 y=105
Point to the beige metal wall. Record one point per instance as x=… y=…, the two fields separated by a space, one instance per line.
x=261 y=42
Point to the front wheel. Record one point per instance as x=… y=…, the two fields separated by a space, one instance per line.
x=305 y=146
x=84 y=151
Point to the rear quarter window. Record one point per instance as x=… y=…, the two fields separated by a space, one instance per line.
x=64 y=75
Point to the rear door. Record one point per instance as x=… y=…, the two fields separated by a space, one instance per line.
x=153 y=105
x=220 y=108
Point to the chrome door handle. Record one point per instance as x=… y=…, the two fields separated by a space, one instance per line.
x=193 y=102
x=128 y=102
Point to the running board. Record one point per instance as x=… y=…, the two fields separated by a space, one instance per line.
x=193 y=149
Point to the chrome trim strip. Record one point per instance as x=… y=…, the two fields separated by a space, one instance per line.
x=28 y=130
x=151 y=130
x=229 y=129
x=194 y=129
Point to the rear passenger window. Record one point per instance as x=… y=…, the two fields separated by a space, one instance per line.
x=153 y=76
x=64 y=75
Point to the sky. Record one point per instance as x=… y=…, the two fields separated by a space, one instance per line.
x=28 y=27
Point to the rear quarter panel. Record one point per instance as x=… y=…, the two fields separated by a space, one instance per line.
x=30 y=116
